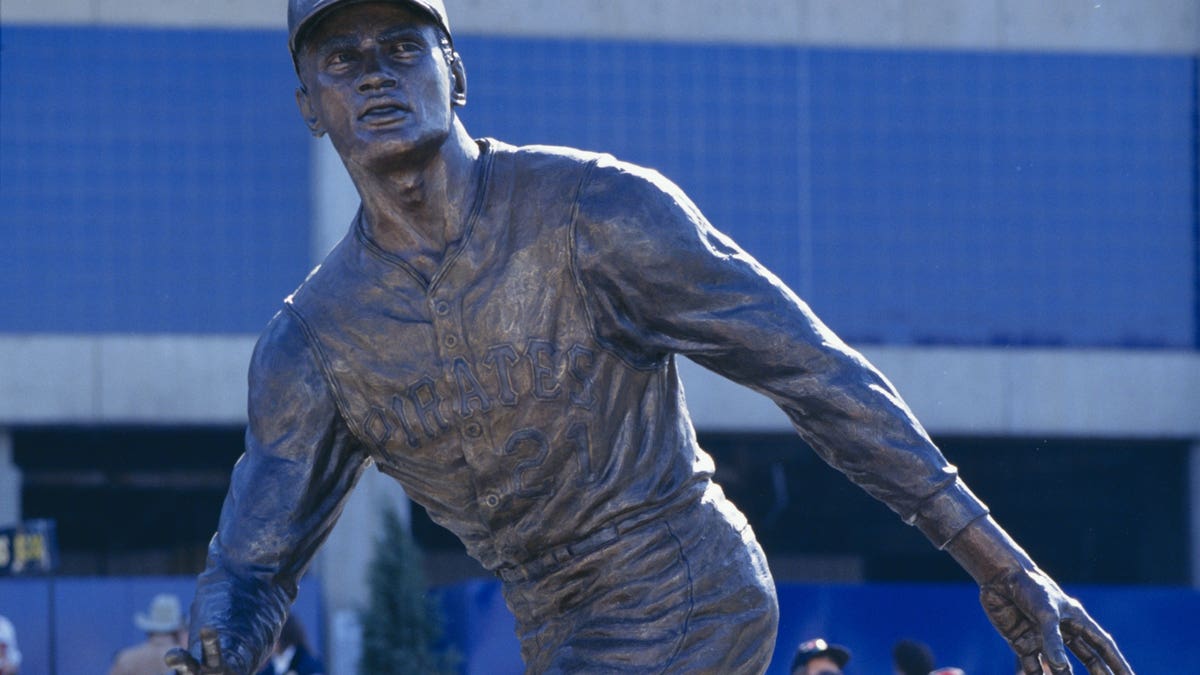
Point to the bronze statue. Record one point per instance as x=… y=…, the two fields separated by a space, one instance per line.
x=498 y=332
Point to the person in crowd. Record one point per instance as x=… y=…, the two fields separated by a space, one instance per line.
x=818 y=657
x=10 y=655
x=292 y=654
x=165 y=630
x=910 y=657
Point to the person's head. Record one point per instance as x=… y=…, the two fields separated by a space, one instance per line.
x=380 y=77
x=818 y=657
x=910 y=657
x=165 y=616
x=10 y=656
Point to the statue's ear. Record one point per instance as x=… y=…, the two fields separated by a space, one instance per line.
x=458 y=83
x=308 y=113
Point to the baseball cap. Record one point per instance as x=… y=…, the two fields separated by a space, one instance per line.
x=304 y=14
x=811 y=649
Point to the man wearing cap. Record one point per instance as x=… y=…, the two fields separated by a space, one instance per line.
x=165 y=630
x=818 y=657
x=498 y=332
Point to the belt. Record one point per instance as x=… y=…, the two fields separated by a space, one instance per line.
x=555 y=557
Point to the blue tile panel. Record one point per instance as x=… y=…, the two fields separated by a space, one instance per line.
x=911 y=197
x=153 y=180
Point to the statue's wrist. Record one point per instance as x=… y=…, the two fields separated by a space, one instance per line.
x=986 y=551
x=942 y=515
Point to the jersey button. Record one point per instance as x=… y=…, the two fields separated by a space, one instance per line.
x=492 y=500
x=450 y=340
x=442 y=308
x=474 y=430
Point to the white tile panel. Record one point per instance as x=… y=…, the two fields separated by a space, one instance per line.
x=1077 y=393
x=1170 y=26
x=45 y=378
x=172 y=379
x=48 y=11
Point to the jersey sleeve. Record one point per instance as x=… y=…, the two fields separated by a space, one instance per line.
x=658 y=279
x=286 y=492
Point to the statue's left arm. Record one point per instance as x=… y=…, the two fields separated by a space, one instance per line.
x=659 y=280
x=285 y=494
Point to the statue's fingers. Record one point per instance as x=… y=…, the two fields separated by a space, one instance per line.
x=210 y=646
x=1030 y=664
x=1012 y=623
x=1088 y=656
x=1053 y=649
x=182 y=662
x=1098 y=642
x=1026 y=644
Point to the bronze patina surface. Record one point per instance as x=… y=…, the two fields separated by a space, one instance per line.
x=498 y=331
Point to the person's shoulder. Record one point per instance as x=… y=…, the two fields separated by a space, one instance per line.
x=603 y=175
x=623 y=195
x=283 y=349
x=126 y=659
x=533 y=157
x=534 y=173
x=332 y=276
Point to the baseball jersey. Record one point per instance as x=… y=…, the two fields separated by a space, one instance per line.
x=526 y=394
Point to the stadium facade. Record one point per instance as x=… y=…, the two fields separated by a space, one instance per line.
x=997 y=202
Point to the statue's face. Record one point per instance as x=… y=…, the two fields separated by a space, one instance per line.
x=375 y=78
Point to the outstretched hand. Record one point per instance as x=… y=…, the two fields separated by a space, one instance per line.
x=1038 y=618
x=184 y=663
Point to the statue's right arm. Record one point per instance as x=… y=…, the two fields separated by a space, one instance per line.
x=300 y=465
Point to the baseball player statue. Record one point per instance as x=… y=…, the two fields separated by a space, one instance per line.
x=498 y=331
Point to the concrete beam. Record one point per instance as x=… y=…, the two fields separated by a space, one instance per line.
x=1000 y=392
x=172 y=379
x=110 y=379
x=1159 y=26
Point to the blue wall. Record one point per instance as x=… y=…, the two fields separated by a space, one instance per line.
x=1153 y=626
x=153 y=180
x=912 y=197
x=92 y=618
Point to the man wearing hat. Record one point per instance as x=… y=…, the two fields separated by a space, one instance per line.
x=818 y=657
x=165 y=630
x=498 y=331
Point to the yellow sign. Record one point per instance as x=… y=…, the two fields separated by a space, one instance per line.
x=28 y=548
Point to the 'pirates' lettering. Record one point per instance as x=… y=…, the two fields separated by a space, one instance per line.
x=376 y=426
x=409 y=434
x=503 y=357
x=580 y=363
x=427 y=401
x=469 y=388
x=541 y=355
